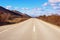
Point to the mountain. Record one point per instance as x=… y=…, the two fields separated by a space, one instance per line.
x=14 y=12
x=23 y=15
x=8 y=11
x=9 y=15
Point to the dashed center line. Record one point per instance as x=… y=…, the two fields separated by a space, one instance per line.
x=34 y=28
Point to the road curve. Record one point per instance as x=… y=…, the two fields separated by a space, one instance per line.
x=32 y=29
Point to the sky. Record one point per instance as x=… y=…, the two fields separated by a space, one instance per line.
x=33 y=7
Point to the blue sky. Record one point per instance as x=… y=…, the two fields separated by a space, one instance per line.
x=33 y=7
x=22 y=3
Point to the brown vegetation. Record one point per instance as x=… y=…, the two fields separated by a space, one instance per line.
x=54 y=19
x=10 y=17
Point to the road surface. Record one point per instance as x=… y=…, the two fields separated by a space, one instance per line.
x=31 y=29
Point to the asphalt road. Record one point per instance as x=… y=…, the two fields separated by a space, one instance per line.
x=46 y=31
x=31 y=29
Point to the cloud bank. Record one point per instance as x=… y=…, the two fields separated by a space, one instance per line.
x=48 y=8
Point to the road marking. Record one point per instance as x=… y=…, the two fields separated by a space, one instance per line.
x=7 y=29
x=33 y=28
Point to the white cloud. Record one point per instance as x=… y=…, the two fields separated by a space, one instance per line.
x=35 y=12
x=16 y=8
x=54 y=7
x=37 y=9
x=8 y=7
x=45 y=4
x=24 y=8
x=53 y=1
x=59 y=4
x=53 y=4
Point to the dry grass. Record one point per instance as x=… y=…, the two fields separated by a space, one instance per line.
x=54 y=19
x=17 y=20
x=13 y=21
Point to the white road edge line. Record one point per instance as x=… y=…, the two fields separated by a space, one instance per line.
x=7 y=30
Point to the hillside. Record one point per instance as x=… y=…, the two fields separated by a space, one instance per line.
x=9 y=16
x=54 y=19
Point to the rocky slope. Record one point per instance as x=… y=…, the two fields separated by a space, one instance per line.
x=9 y=16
